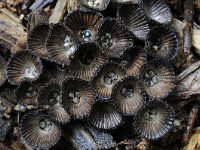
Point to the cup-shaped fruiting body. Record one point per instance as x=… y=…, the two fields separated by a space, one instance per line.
x=27 y=93
x=162 y=43
x=50 y=98
x=107 y=76
x=36 y=42
x=84 y=24
x=154 y=120
x=49 y=95
x=87 y=60
x=3 y=65
x=157 y=11
x=128 y=96
x=135 y=19
x=59 y=114
x=132 y=60
x=23 y=66
x=114 y=37
x=157 y=79
x=77 y=97
x=38 y=131
x=104 y=115
x=57 y=73
x=97 y=5
x=127 y=1
x=61 y=44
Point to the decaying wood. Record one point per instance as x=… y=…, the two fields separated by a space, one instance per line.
x=12 y=33
x=188 y=82
x=187 y=30
x=61 y=8
x=144 y=145
x=4 y=147
x=198 y=4
x=59 y=11
x=39 y=4
x=19 y=145
x=72 y=5
x=179 y=26
x=191 y=121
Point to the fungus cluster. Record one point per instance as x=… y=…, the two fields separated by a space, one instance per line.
x=96 y=69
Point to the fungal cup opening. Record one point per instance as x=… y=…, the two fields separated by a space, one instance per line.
x=86 y=58
x=128 y=96
x=69 y=44
x=114 y=37
x=110 y=78
x=74 y=96
x=127 y=91
x=31 y=72
x=77 y=98
x=151 y=115
x=107 y=41
x=84 y=24
x=162 y=43
x=45 y=125
x=86 y=35
x=54 y=98
x=31 y=92
x=151 y=78
x=61 y=44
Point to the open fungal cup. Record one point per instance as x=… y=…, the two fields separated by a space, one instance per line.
x=162 y=43
x=23 y=66
x=132 y=60
x=135 y=19
x=157 y=11
x=154 y=120
x=114 y=37
x=84 y=24
x=104 y=115
x=77 y=98
x=50 y=98
x=37 y=38
x=61 y=44
x=38 y=131
x=87 y=60
x=105 y=79
x=157 y=79
x=128 y=96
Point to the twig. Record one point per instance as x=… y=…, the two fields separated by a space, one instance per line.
x=192 y=119
x=187 y=30
x=59 y=11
